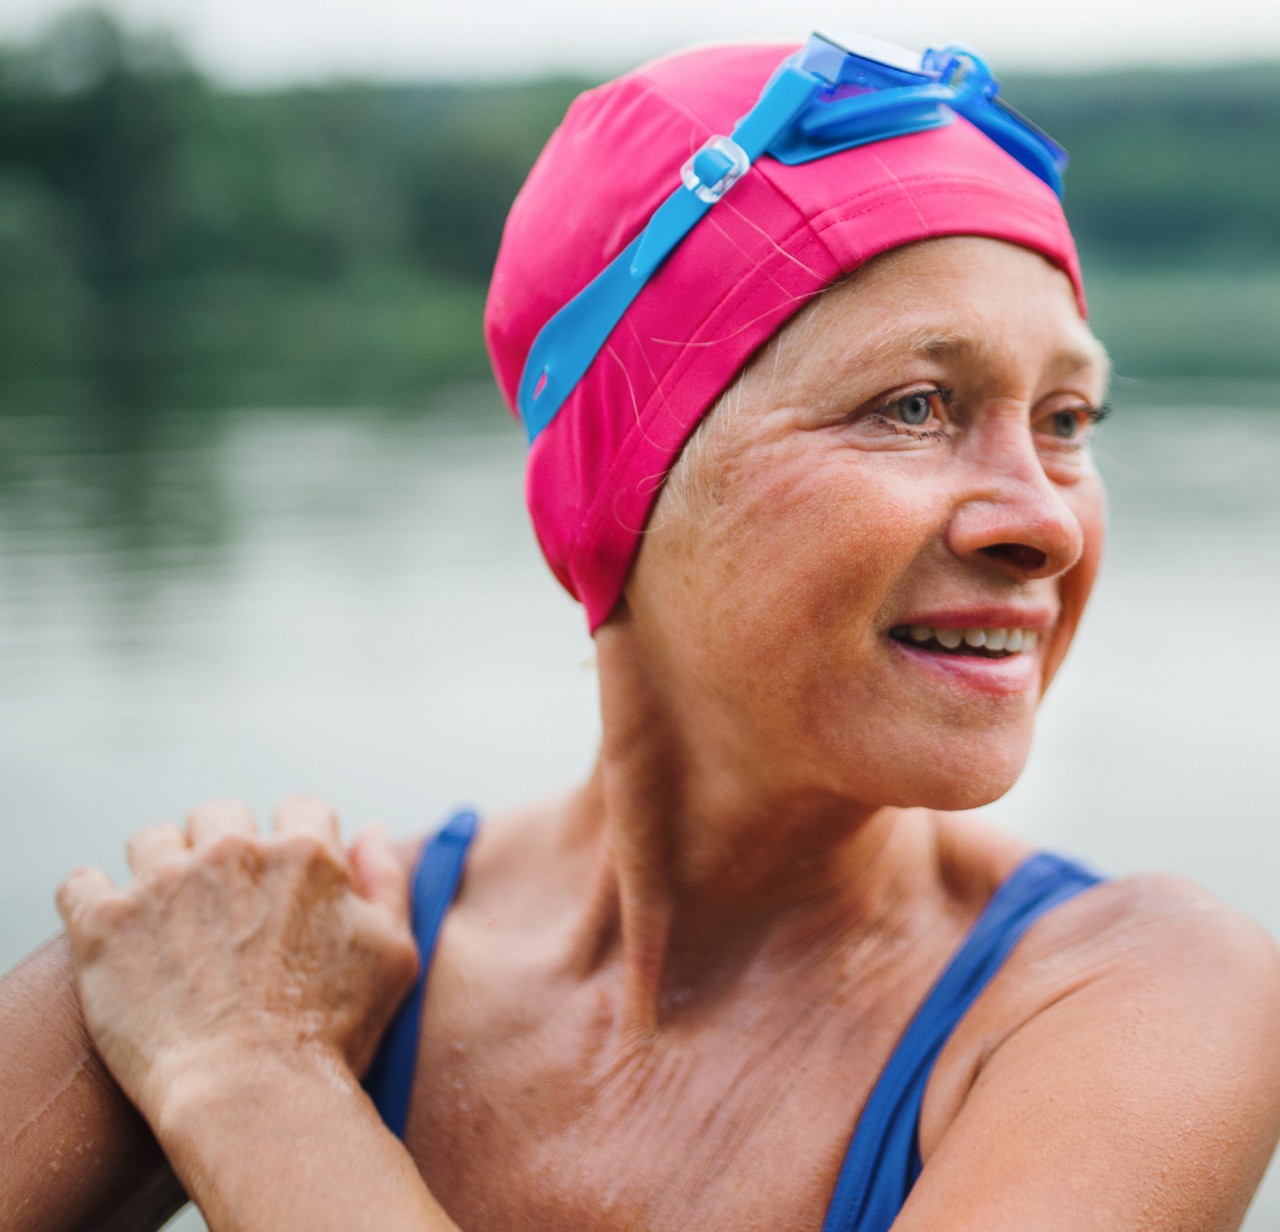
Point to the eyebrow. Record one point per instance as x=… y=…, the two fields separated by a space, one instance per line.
x=926 y=340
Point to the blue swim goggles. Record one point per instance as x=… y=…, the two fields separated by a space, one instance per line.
x=831 y=95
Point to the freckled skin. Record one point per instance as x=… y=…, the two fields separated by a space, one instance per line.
x=661 y=1001
x=825 y=532
x=708 y=952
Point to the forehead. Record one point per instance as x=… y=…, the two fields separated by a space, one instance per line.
x=963 y=301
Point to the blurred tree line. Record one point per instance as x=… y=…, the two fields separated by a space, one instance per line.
x=164 y=240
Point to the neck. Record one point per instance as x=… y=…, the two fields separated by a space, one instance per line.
x=713 y=861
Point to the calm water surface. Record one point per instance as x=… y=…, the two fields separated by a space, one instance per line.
x=254 y=602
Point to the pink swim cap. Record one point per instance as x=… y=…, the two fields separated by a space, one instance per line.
x=778 y=237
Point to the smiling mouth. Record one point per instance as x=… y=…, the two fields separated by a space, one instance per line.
x=975 y=643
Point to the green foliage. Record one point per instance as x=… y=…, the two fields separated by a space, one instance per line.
x=1168 y=168
x=177 y=242
x=172 y=241
x=1183 y=322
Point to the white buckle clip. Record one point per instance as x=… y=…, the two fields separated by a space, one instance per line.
x=715 y=169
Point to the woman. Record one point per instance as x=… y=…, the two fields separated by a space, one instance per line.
x=812 y=449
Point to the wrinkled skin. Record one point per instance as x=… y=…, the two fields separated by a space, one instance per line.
x=237 y=976
x=661 y=1001
x=226 y=943
x=827 y=521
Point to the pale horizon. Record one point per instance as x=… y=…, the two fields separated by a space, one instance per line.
x=251 y=43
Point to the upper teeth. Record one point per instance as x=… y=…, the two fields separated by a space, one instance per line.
x=1012 y=641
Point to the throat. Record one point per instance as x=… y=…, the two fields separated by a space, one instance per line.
x=673 y=948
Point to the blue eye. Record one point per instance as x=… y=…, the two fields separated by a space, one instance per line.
x=1066 y=424
x=917 y=409
x=1072 y=424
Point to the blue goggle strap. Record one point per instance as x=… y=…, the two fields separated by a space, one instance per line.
x=889 y=102
x=950 y=80
x=566 y=346
x=975 y=99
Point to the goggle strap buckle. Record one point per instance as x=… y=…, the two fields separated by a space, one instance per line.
x=714 y=169
x=949 y=81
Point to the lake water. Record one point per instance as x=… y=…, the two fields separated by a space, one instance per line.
x=253 y=602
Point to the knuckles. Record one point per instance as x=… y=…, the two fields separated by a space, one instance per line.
x=234 y=853
x=275 y=921
x=299 y=867
x=258 y=856
x=307 y=850
x=307 y=860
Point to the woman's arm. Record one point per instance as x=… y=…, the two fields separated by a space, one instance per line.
x=74 y=1154
x=235 y=989
x=286 y=1140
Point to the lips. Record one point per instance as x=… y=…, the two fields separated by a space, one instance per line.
x=976 y=641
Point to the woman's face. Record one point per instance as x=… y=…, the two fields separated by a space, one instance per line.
x=906 y=468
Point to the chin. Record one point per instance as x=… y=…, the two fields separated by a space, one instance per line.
x=960 y=797
x=953 y=785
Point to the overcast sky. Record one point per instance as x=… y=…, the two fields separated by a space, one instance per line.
x=266 y=41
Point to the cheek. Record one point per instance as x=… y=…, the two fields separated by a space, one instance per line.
x=806 y=555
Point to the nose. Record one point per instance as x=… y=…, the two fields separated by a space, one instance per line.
x=1011 y=513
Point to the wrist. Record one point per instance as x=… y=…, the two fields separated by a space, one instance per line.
x=284 y=1140
x=192 y=1097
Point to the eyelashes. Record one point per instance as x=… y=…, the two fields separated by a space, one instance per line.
x=921 y=415
x=901 y=429
x=1069 y=427
x=912 y=413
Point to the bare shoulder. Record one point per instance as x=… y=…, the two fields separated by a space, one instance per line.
x=1157 y=951
x=514 y=854
x=1182 y=964
x=1135 y=1022
x=494 y=834
x=1156 y=931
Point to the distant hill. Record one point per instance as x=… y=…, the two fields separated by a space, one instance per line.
x=168 y=240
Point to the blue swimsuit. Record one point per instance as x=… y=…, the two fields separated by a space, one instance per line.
x=883 y=1160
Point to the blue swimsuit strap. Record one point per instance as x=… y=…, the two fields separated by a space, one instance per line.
x=389 y=1081
x=883 y=1160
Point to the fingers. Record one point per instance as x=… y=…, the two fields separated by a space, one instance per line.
x=379 y=873
x=306 y=814
x=296 y=814
x=155 y=843
x=80 y=891
x=215 y=818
